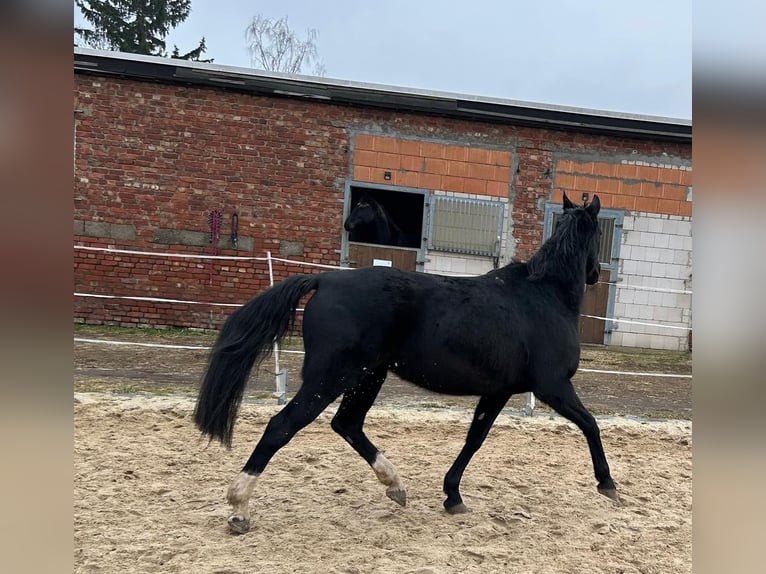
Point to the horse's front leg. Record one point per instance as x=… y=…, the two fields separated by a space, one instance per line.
x=486 y=412
x=564 y=400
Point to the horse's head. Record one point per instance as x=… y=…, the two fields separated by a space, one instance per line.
x=361 y=215
x=591 y=226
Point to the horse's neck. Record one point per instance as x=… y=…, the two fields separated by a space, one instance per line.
x=566 y=276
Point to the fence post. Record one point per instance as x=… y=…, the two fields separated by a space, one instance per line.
x=529 y=409
x=281 y=382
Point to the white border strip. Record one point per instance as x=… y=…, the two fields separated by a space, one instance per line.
x=637 y=322
x=163 y=346
x=156 y=299
x=643 y=288
x=132 y=344
x=157 y=254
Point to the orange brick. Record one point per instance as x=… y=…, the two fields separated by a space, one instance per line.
x=626 y=171
x=668 y=175
x=411 y=163
x=364 y=157
x=500 y=158
x=646 y=173
x=685 y=208
x=388 y=160
x=674 y=192
x=363 y=142
x=605 y=169
x=432 y=150
x=456 y=153
x=630 y=188
x=481 y=171
x=409 y=147
x=387 y=145
x=583 y=183
x=408 y=178
x=477 y=186
x=605 y=185
x=478 y=155
x=497 y=188
x=584 y=168
x=646 y=204
x=566 y=181
x=686 y=178
x=450 y=183
x=502 y=174
x=565 y=165
x=606 y=199
x=668 y=206
x=558 y=196
x=437 y=166
x=362 y=173
x=623 y=201
x=651 y=190
x=430 y=181
x=457 y=168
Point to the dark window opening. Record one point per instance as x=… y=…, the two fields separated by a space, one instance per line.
x=384 y=217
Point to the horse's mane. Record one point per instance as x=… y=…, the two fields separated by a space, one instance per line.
x=563 y=248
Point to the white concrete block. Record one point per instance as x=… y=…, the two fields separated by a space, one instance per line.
x=658 y=270
x=666 y=256
x=681 y=257
x=655 y=225
x=662 y=240
x=644 y=268
x=670 y=227
x=626 y=295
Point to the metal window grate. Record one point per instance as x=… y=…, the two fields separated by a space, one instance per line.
x=470 y=226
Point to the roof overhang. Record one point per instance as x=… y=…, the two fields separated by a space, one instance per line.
x=167 y=70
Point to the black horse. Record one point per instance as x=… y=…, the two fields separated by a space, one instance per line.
x=369 y=222
x=513 y=330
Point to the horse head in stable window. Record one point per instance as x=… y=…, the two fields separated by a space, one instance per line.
x=369 y=222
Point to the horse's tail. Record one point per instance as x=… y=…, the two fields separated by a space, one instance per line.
x=245 y=340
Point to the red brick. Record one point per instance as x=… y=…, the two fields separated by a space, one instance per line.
x=674 y=192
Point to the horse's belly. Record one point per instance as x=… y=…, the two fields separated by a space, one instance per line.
x=456 y=380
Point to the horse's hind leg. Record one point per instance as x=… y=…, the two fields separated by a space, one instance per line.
x=305 y=406
x=348 y=422
x=564 y=400
x=486 y=412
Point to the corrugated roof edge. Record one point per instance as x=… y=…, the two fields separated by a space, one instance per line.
x=382 y=96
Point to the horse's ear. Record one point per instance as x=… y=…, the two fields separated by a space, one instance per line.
x=568 y=204
x=594 y=206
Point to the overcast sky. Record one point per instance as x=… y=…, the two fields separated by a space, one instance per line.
x=625 y=56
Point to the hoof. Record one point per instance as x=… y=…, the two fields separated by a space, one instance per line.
x=398 y=495
x=610 y=493
x=459 y=508
x=239 y=524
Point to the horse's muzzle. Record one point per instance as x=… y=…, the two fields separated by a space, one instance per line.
x=593 y=275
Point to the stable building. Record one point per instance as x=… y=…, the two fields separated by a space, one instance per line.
x=176 y=159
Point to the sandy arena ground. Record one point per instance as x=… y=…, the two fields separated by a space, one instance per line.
x=150 y=496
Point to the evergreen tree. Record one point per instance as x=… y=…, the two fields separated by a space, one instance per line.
x=135 y=26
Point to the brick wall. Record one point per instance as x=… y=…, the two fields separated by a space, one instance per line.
x=152 y=159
